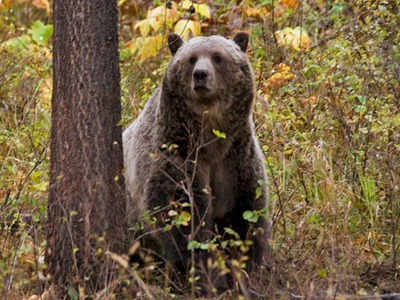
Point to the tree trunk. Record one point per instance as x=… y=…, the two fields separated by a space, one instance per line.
x=86 y=210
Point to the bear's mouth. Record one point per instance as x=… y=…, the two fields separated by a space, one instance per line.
x=201 y=89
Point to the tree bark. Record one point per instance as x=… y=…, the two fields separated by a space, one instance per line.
x=86 y=209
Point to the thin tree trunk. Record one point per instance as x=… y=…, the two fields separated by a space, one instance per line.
x=86 y=210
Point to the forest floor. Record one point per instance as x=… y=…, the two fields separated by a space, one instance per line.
x=327 y=117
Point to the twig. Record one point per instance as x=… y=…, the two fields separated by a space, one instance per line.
x=279 y=198
x=124 y=264
x=37 y=163
x=6 y=198
x=242 y=286
x=9 y=280
x=350 y=297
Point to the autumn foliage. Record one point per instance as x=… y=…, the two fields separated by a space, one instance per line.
x=327 y=115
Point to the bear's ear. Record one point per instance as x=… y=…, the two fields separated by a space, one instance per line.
x=174 y=42
x=242 y=40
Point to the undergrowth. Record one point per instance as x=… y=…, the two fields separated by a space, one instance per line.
x=327 y=117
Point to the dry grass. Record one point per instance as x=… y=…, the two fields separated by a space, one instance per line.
x=330 y=135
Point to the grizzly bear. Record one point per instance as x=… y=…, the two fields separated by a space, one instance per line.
x=194 y=143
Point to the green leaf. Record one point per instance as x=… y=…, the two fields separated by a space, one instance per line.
x=42 y=186
x=193 y=245
x=314 y=219
x=182 y=219
x=322 y=273
x=124 y=54
x=197 y=245
x=41 y=33
x=232 y=232
x=18 y=43
x=258 y=192
x=72 y=293
x=250 y=216
x=219 y=134
x=203 y=246
x=396 y=120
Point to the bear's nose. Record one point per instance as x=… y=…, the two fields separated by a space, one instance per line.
x=200 y=75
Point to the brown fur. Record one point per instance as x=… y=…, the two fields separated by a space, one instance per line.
x=208 y=85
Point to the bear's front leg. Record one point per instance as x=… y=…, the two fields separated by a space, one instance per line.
x=252 y=196
x=165 y=197
x=181 y=207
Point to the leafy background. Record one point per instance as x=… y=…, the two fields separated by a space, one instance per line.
x=327 y=115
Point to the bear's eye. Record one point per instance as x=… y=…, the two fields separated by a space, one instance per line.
x=217 y=58
x=192 y=60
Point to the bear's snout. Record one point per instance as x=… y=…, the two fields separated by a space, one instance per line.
x=202 y=77
x=200 y=84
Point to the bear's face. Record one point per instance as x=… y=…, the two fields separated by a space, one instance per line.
x=208 y=73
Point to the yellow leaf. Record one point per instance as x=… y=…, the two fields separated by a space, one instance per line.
x=195 y=27
x=121 y=2
x=172 y=213
x=186 y=27
x=203 y=10
x=134 y=45
x=186 y=4
x=46 y=88
x=252 y=12
x=283 y=68
x=290 y=3
x=185 y=218
x=5 y=4
x=181 y=28
x=284 y=37
x=155 y=22
x=158 y=11
x=150 y=47
x=122 y=261
x=145 y=47
x=309 y=100
x=160 y=16
x=144 y=27
x=157 y=17
x=302 y=39
x=282 y=76
x=296 y=38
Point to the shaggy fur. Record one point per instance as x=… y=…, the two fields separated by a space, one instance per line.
x=208 y=85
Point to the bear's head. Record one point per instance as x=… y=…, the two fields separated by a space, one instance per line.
x=209 y=73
